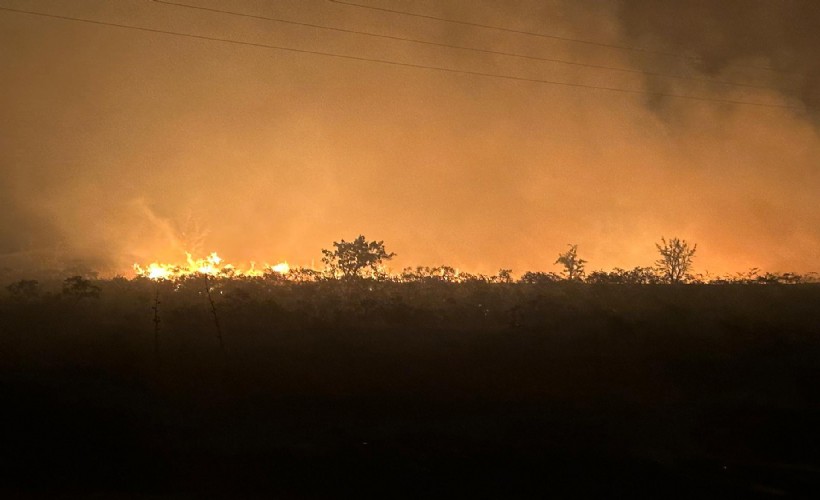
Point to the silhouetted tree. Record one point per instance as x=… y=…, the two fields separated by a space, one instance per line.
x=352 y=258
x=676 y=259
x=573 y=266
x=24 y=290
x=504 y=276
x=79 y=287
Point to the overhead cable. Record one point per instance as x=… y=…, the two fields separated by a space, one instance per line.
x=401 y=64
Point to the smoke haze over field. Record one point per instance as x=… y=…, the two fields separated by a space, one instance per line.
x=118 y=146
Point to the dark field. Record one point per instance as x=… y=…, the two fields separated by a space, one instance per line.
x=419 y=390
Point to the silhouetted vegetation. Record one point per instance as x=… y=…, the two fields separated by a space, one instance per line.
x=352 y=259
x=24 y=290
x=538 y=278
x=80 y=288
x=573 y=265
x=431 y=382
x=636 y=276
x=676 y=259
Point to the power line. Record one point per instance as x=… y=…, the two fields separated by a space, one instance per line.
x=535 y=34
x=400 y=64
x=463 y=47
x=511 y=30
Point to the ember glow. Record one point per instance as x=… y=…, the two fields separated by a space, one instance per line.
x=212 y=265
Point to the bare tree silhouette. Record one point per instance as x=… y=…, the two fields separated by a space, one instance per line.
x=676 y=259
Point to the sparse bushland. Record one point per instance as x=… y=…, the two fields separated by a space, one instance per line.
x=518 y=381
x=430 y=384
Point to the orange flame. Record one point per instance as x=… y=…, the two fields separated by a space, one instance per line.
x=212 y=265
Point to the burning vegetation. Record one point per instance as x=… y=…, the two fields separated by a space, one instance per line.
x=212 y=265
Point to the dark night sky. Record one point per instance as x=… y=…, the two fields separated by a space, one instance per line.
x=119 y=146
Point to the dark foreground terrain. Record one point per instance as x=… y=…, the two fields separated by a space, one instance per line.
x=412 y=391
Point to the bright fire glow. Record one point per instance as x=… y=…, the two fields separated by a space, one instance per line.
x=281 y=268
x=212 y=265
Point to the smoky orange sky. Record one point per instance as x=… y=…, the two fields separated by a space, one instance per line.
x=120 y=146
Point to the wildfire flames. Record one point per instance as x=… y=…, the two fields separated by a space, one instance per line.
x=212 y=265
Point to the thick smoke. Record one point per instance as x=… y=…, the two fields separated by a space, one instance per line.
x=113 y=141
x=774 y=43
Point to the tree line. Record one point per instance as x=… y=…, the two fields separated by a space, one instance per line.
x=363 y=259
